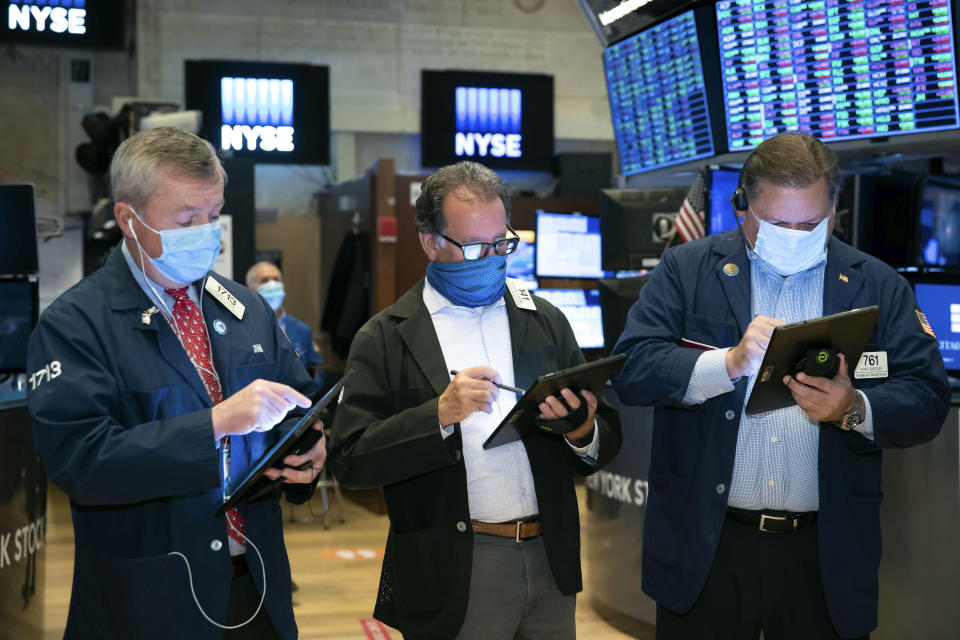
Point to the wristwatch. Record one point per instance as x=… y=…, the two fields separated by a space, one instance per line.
x=855 y=416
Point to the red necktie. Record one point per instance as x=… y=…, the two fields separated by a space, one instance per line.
x=193 y=335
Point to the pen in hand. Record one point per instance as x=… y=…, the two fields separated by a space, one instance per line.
x=506 y=387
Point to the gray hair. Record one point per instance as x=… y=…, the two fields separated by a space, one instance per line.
x=793 y=161
x=252 y=271
x=137 y=160
x=473 y=180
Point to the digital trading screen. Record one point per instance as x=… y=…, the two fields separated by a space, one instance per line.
x=836 y=69
x=520 y=263
x=582 y=309
x=939 y=225
x=657 y=96
x=568 y=246
x=940 y=303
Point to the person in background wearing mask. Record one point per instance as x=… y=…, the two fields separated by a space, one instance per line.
x=482 y=543
x=770 y=522
x=265 y=278
x=156 y=386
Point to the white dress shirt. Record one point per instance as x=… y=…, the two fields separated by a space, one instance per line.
x=499 y=480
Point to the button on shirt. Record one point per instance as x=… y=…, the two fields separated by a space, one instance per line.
x=777 y=451
x=499 y=480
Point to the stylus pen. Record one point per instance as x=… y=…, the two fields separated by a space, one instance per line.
x=502 y=386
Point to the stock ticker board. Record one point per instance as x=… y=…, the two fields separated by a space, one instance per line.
x=657 y=97
x=836 y=69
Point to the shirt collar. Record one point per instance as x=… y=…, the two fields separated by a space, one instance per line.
x=436 y=301
x=153 y=290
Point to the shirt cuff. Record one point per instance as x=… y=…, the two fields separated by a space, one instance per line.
x=865 y=428
x=446 y=432
x=589 y=452
x=709 y=378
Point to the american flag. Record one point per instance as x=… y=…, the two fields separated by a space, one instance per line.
x=690 y=224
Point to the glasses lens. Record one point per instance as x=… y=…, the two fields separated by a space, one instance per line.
x=506 y=247
x=472 y=251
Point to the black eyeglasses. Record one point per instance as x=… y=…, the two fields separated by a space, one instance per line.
x=477 y=250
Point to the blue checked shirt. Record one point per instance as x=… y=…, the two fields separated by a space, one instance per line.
x=776 y=460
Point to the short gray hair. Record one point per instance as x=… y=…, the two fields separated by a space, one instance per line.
x=793 y=161
x=252 y=271
x=475 y=179
x=137 y=160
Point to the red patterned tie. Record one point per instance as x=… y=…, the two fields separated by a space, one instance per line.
x=193 y=335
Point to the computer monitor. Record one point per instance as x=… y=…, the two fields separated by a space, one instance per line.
x=658 y=99
x=521 y=263
x=617 y=296
x=940 y=302
x=722 y=183
x=568 y=246
x=18 y=239
x=582 y=309
x=864 y=69
x=632 y=223
x=884 y=216
x=19 y=302
x=938 y=234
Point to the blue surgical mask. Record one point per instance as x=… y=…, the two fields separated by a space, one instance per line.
x=790 y=251
x=273 y=293
x=188 y=253
x=471 y=283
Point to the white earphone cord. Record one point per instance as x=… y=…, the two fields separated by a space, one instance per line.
x=194 y=593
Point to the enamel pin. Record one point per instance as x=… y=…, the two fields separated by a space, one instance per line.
x=731 y=269
x=145 y=316
x=220 y=326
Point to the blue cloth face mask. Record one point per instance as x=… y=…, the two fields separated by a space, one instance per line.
x=188 y=253
x=273 y=293
x=790 y=251
x=471 y=283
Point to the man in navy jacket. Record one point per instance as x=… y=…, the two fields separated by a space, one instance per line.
x=771 y=521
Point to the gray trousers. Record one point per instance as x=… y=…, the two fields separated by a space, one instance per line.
x=513 y=595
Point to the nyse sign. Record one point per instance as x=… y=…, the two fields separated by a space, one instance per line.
x=39 y=17
x=257 y=114
x=488 y=122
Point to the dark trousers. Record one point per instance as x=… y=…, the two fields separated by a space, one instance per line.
x=759 y=581
x=244 y=599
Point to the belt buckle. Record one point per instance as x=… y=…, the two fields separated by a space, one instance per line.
x=518 y=530
x=764 y=517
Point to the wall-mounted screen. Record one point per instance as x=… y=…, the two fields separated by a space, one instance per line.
x=836 y=70
x=568 y=246
x=723 y=182
x=88 y=24
x=18 y=239
x=939 y=220
x=268 y=112
x=658 y=99
x=940 y=302
x=501 y=120
x=582 y=309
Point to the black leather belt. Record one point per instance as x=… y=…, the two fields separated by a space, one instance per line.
x=773 y=521
x=240 y=567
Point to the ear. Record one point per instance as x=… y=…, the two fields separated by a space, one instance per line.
x=123 y=214
x=430 y=244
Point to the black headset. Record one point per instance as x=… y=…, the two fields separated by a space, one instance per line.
x=739 y=200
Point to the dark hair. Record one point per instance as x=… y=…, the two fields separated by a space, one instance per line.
x=791 y=160
x=471 y=179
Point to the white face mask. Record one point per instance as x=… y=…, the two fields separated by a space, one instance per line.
x=790 y=251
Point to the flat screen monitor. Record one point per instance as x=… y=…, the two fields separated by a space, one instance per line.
x=85 y=24
x=836 y=70
x=658 y=99
x=720 y=216
x=636 y=224
x=18 y=315
x=882 y=203
x=18 y=222
x=269 y=112
x=617 y=296
x=568 y=246
x=940 y=302
x=582 y=309
x=521 y=263
x=501 y=120
x=939 y=224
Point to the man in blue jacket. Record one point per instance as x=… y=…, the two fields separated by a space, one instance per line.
x=771 y=521
x=155 y=386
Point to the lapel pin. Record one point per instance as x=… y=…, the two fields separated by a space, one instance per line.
x=731 y=269
x=220 y=326
x=145 y=316
x=844 y=278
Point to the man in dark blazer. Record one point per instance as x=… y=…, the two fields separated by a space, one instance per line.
x=771 y=521
x=482 y=543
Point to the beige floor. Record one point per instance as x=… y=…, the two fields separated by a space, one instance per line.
x=336 y=570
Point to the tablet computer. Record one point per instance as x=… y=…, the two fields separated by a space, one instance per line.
x=298 y=440
x=522 y=419
x=847 y=332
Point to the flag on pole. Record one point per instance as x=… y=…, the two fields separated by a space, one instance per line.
x=690 y=220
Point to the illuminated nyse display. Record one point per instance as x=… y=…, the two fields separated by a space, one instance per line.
x=836 y=69
x=657 y=96
x=257 y=114
x=488 y=122
x=58 y=16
